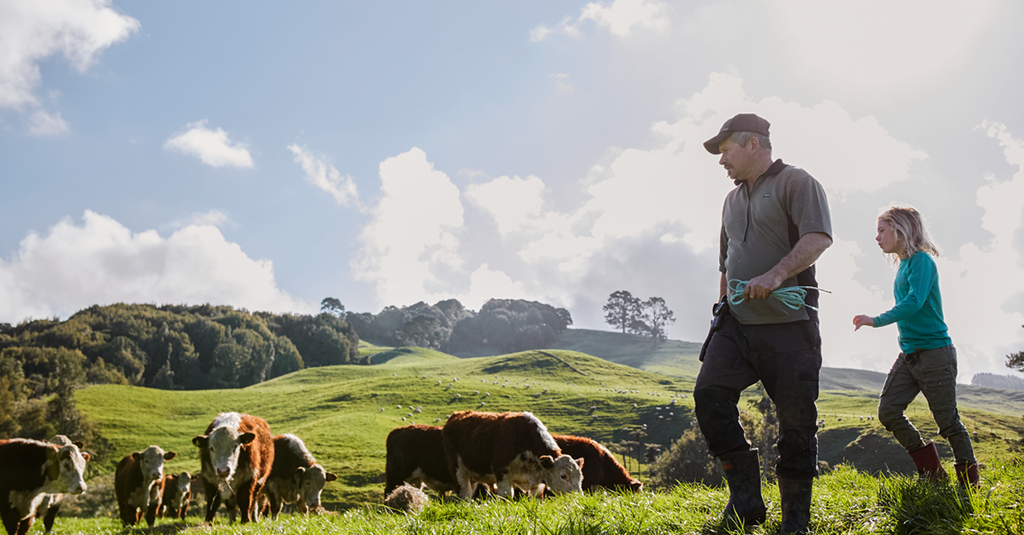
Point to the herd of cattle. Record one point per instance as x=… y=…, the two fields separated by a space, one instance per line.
x=251 y=472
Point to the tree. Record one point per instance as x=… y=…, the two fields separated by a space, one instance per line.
x=622 y=310
x=421 y=331
x=332 y=306
x=658 y=316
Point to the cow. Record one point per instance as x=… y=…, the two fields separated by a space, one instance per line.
x=139 y=484
x=29 y=470
x=49 y=506
x=508 y=450
x=236 y=455
x=601 y=469
x=295 y=477
x=415 y=455
x=177 y=493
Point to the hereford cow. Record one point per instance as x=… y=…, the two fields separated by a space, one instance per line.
x=511 y=449
x=236 y=454
x=139 y=484
x=177 y=493
x=49 y=505
x=296 y=477
x=30 y=469
x=601 y=469
x=416 y=456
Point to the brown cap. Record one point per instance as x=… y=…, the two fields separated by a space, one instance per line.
x=743 y=122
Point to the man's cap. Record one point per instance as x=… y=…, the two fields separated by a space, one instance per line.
x=743 y=122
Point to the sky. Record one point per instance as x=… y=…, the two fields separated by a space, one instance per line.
x=267 y=155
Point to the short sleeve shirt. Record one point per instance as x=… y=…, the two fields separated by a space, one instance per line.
x=755 y=234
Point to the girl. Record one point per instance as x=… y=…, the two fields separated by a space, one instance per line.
x=927 y=362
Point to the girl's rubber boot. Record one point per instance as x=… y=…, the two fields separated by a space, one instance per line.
x=967 y=474
x=743 y=474
x=928 y=463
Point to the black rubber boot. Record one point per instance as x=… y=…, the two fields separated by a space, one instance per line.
x=796 y=504
x=743 y=474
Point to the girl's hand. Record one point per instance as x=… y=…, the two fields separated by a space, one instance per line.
x=862 y=320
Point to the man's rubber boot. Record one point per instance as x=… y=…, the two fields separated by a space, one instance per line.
x=928 y=463
x=796 y=504
x=967 y=474
x=743 y=474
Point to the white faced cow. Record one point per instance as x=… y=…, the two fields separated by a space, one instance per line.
x=296 y=476
x=139 y=484
x=509 y=450
x=29 y=470
x=177 y=493
x=236 y=454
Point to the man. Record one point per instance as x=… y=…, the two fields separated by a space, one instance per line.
x=775 y=225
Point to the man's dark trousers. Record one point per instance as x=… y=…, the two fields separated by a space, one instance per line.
x=786 y=358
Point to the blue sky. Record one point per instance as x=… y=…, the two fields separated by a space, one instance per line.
x=268 y=155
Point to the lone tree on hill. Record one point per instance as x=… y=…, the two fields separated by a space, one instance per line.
x=333 y=306
x=646 y=318
x=1015 y=361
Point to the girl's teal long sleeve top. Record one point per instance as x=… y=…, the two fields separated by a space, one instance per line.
x=918 y=310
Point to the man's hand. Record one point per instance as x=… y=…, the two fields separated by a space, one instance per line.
x=762 y=287
x=862 y=320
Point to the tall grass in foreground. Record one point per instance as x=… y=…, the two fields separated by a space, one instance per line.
x=845 y=502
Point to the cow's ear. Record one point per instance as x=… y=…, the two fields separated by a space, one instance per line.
x=546 y=461
x=246 y=438
x=86 y=456
x=136 y=455
x=169 y=455
x=579 y=462
x=79 y=444
x=200 y=441
x=330 y=477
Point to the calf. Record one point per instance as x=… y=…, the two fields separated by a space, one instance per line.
x=236 y=455
x=601 y=469
x=415 y=455
x=177 y=493
x=139 y=484
x=511 y=449
x=29 y=470
x=295 y=477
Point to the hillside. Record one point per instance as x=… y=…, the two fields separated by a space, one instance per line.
x=345 y=412
x=679 y=359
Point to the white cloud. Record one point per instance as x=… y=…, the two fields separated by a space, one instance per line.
x=324 y=176
x=43 y=124
x=513 y=202
x=414 y=232
x=211 y=146
x=619 y=17
x=33 y=30
x=881 y=46
x=101 y=262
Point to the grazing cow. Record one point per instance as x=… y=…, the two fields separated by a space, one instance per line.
x=296 y=477
x=511 y=449
x=139 y=484
x=601 y=469
x=177 y=493
x=29 y=470
x=49 y=506
x=236 y=455
x=416 y=456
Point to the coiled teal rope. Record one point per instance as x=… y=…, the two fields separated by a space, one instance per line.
x=791 y=296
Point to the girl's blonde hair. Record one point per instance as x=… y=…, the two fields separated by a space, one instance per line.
x=910 y=233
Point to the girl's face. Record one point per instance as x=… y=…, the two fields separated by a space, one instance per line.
x=886 y=239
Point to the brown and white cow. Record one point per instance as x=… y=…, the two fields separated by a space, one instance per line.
x=29 y=470
x=139 y=484
x=296 y=477
x=236 y=454
x=49 y=505
x=601 y=469
x=415 y=455
x=509 y=450
x=177 y=493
